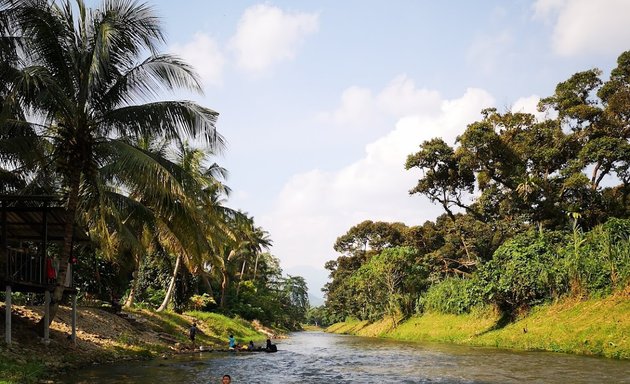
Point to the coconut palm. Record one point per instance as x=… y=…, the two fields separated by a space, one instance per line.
x=133 y=217
x=190 y=231
x=246 y=243
x=83 y=84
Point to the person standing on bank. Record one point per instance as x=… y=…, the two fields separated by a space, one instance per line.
x=192 y=332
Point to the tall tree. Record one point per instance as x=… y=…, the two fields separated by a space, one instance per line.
x=245 y=243
x=81 y=82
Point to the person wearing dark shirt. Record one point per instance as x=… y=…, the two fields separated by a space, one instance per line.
x=192 y=332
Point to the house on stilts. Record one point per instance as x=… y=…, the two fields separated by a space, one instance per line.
x=31 y=233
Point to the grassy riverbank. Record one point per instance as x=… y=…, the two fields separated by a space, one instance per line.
x=599 y=327
x=104 y=337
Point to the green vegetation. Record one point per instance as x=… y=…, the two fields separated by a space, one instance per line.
x=536 y=211
x=105 y=337
x=16 y=371
x=220 y=326
x=87 y=118
x=597 y=327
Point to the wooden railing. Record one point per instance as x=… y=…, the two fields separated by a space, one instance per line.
x=25 y=267
x=29 y=268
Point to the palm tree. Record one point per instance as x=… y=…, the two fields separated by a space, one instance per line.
x=82 y=84
x=260 y=240
x=246 y=242
x=140 y=221
x=194 y=229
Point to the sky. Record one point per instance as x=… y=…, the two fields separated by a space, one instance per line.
x=321 y=102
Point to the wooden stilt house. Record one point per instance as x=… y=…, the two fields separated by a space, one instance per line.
x=30 y=226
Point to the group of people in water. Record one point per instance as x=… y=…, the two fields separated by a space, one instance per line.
x=234 y=346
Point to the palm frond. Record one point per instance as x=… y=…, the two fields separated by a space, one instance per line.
x=148 y=80
x=172 y=118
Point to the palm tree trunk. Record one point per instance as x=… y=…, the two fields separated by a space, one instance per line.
x=171 y=286
x=66 y=253
x=134 y=286
x=240 y=279
x=131 y=298
x=256 y=265
x=224 y=285
x=206 y=281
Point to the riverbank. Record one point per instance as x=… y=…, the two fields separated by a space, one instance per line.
x=104 y=337
x=597 y=327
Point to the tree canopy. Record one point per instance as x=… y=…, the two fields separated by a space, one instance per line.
x=522 y=196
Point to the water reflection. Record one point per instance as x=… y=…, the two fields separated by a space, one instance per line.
x=315 y=357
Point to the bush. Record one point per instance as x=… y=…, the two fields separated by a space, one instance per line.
x=203 y=302
x=602 y=262
x=153 y=298
x=452 y=295
x=525 y=270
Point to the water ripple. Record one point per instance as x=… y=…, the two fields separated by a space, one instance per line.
x=315 y=357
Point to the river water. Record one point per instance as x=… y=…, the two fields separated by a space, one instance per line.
x=317 y=357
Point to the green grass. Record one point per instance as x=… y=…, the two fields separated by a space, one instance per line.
x=214 y=328
x=599 y=327
x=309 y=327
x=20 y=372
x=445 y=328
x=217 y=328
x=593 y=327
x=166 y=322
x=350 y=327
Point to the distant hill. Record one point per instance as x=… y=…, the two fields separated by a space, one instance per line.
x=316 y=279
x=315 y=301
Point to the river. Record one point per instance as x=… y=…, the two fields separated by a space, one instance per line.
x=317 y=357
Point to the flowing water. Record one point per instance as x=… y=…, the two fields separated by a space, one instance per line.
x=316 y=357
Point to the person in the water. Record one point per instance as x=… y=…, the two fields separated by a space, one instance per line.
x=226 y=379
x=271 y=347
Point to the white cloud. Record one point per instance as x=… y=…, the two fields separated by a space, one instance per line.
x=266 y=35
x=487 y=52
x=203 y=53
x=316 y=207
x=586 y=26
x=529 y=104
x=544 y=8
x=359 y=107
x=401 y=98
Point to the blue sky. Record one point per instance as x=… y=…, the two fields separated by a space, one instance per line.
x=321 y=101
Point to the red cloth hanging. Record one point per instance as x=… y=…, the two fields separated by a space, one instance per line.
x=50 y=270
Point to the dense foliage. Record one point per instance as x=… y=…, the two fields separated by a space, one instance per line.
x=86 y=117
x=533 y=209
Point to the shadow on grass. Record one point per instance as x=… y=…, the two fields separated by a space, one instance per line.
x=502 y=322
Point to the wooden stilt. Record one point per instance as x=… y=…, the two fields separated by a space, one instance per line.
x=74 y=318
x=46 y=316
x=7 y=309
